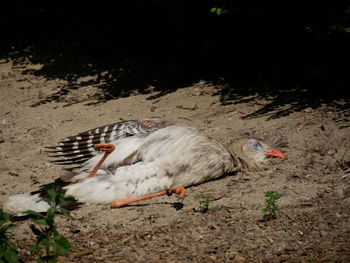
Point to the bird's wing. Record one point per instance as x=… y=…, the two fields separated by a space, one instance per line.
x=75 y=150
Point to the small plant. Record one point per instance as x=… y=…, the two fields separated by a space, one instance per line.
x=271 y=209
x=49 y=242
x=8 y=253
x=204 y=202
x=219 y=10
x=207 y=121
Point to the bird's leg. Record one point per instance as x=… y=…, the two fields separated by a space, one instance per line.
x=178 y=190
x=108 y=149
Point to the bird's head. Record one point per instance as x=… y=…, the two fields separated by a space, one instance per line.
x=255 y=152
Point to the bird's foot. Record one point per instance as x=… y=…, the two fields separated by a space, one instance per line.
x=180 y=191
x=105 y=147
x=108 y=149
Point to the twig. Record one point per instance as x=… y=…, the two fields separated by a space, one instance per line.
x=77 y=101
x=184 y=118
x=156 y=101
x=18 y=66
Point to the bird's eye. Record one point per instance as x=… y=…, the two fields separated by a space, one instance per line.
x=256 y=145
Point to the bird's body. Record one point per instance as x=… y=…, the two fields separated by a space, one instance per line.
x=160 y=160
x=141 y=165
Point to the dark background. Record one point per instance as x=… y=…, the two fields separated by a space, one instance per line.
x=295 y=52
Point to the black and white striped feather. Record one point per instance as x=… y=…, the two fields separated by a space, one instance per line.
x=75 y=150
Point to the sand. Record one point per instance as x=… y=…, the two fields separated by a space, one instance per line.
x=314 y=179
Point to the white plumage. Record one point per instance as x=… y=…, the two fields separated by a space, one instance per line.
x=158 y=161
x=172 y=156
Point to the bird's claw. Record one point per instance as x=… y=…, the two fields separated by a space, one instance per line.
x=105 y=147
x=178 y=190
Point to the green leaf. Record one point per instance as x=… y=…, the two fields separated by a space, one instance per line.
x=64 y=211
x=4 y=217
x=41 y=221
x=219 y=10
x=50 y=215
x=208 y=200
x=271 y=209
x=47 y=259
x=52 y=194
x=4 y=228
x=66 y=199
x=45 y=242
x=62 y=245
x=197 y=197
x=9 y=255
x=37 y=249
x=49 y=242
x=34 y=213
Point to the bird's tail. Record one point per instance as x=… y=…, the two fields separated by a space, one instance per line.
x=17 y=204
x=35 y=201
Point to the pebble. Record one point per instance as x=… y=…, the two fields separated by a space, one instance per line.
x=240 y=258
x=2 y=137
x=74 y=230
x=94 y=244
x=346 y=192
x=310 y=175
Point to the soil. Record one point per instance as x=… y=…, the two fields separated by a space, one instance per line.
x=313 y=223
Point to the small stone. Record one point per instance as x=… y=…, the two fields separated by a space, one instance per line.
x=84 y=252
x=331 y=152
x=13 y=174
x=74 y=230
x=270 y=239
x=196 y=92
x=94 y=244
x=346 y=192
x=2 y=137
x=310 y=175
x=240 y=258
x=323 y=233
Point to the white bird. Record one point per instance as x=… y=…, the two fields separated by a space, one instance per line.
x=143 y=166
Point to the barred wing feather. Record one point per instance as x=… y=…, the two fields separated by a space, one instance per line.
x=75 y=150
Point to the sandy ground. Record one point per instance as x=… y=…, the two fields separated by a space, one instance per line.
x=314 y=179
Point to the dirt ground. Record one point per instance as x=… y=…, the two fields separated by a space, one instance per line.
x=314 y=180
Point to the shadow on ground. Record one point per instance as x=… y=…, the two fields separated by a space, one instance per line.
x=143 y=46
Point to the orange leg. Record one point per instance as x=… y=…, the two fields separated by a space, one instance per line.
x=178 y=190
x=108 y=149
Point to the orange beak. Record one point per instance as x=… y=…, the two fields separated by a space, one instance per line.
x=275 y=153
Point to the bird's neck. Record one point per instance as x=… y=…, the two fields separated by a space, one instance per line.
x=238 y=164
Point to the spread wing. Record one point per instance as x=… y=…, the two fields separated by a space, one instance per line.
x=75 y=150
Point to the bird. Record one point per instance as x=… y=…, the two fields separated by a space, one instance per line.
x=166 y=160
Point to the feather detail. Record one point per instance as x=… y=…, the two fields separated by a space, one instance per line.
x=17 y=204
x=79 y=148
